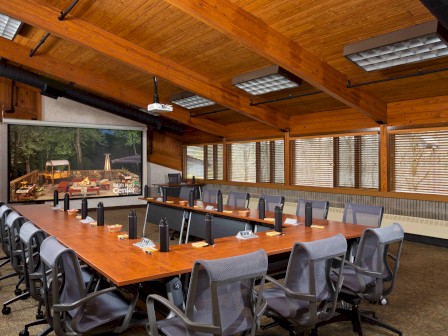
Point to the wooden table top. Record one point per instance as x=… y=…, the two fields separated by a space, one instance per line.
x=125 y=264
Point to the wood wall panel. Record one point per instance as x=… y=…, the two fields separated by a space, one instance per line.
x=330 y=122
x=26 y=100
x=425 y=111
x=165 y=150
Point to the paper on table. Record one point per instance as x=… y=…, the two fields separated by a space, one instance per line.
x=209 y=207
x=87 y=220
x=291 y=221
x=199 y=244
x=317 y=226
x=159 y=199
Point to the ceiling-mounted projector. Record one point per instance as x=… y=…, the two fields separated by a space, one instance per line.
x=156 y=108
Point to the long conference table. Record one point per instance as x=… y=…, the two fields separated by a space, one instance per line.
x=125 y=264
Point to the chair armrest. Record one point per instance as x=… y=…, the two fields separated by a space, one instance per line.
x=76 y=304
x=362 y=271
x=200 y=327
x=295 y=295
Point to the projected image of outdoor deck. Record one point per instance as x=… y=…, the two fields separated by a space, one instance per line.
x=83 y=162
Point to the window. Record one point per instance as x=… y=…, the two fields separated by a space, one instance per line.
x=419 y=161
x=204 y=161
x=261 y=161
x=344 y=161
x=214 y=162
x=195 y=161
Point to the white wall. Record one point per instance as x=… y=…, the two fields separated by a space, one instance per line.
x=67 y=111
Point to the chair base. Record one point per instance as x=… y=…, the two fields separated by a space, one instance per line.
x=6 y=309
x=356 y=316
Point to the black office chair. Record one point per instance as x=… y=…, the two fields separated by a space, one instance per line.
x=271 y=201
x=372 y=275
x=222 y=299
x=69 y=309
x=320 y=208
x=238 y=199
x=174 y=178
x=308 y=295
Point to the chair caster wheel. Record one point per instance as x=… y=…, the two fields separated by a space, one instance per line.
x=6 y=310
x=24 y=333
x=17 y=291
x=383 y=301
x=39 y=316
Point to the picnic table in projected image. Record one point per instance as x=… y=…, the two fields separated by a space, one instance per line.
x=56 y=170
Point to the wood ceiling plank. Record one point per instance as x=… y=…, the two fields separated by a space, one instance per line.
x=98 y=83
x=83 y=33
x=242 y=26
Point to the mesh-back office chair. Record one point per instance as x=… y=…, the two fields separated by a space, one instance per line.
x=221 y=300
x=185 y=192
x=238 y=199
x=31 y=239
x=4 y=212
x=372 y=274
x=13 y=223
x=271 y=201
x=369 y=215
x=210 y=196
x=68 y=308
x=320 y=208
x=308 y=295
x=174 y=178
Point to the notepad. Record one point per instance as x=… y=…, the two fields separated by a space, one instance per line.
x=273 y=233
x=228 y=211
x=149 y=250
x=94 y=223
x=197 y=206
x=122 y=236
x=209 y=207
x=199 y=244
x=291 y=221
x=268 y=219
x=317 y=226
x=169 y=202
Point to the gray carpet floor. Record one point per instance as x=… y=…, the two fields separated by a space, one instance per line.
x=417 y=306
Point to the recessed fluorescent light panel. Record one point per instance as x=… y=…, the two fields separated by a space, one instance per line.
x=9 y=27
x=415 y=44
x=266 y=80
x=191 y=101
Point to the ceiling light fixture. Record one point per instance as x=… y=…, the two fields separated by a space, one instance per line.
x=190 y=101
x=266 y=80
x=9 y=27
x=418 y=43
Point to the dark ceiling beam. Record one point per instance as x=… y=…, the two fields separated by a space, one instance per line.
x=242 y=26
x=83 y=33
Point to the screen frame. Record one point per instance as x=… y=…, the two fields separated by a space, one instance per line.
x=38 y=123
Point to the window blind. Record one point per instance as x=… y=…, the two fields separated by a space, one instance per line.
x=214 y=169
x=420 y=162
x=344 y=161
x=242 y=163
x=195 y=161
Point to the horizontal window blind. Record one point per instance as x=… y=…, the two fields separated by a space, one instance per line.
x=214 y=162
x=195 y=161
x=241 y=162
x=270 y=163
x=344 y=161
x=312 y=162
x=420 y=162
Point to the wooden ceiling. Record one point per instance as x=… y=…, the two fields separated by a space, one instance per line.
x=113 y=48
